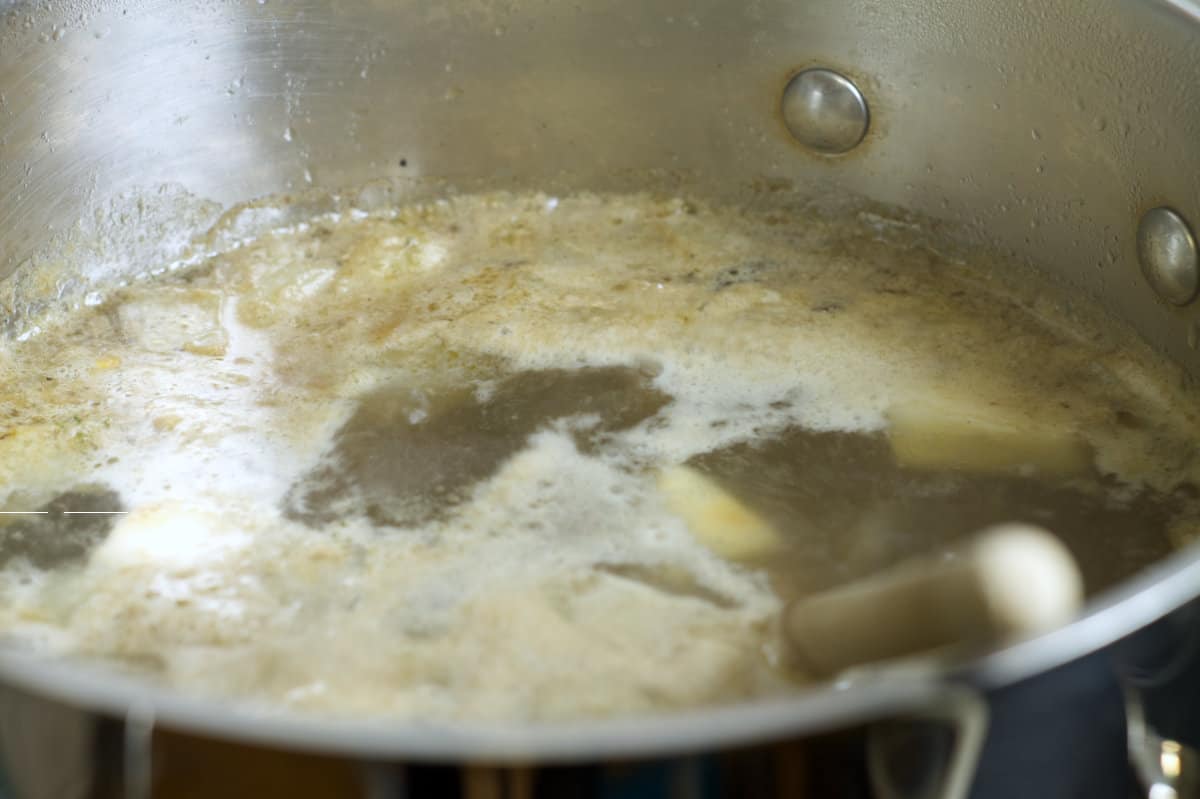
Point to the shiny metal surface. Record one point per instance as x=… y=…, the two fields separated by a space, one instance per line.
x=1022 y=125
x=825 y=111
x=45 y=749
x=137 y=752
x=933 y=757
x=1166 y=768
x=860 y=699
x=1167 y=251
x=1036 y=128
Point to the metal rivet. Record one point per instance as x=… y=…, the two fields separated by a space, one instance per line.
x=1167 y=251
x=825 y=111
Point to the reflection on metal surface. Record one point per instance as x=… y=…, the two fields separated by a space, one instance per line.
x=825 y=111
x=46 y=748
x=172 y=92
x=481 y=782
x=1160 y=791
x=384 y=781
x=1167 y=251
x=1166 y=768
x=1169 y=759
x=933 y=754
x=138 y=752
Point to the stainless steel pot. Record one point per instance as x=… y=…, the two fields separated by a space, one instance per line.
x=1045 y=129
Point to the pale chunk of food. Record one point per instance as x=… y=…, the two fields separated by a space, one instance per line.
x=1184 y=532
x=970 y=434
x=715 y=518
x=1009 y=580
x=176 y=319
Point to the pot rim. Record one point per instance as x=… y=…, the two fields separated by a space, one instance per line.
x=856 y=697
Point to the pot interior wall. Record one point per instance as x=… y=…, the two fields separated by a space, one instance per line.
x=1041 y=129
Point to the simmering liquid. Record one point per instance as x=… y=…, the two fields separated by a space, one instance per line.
x=412 y=463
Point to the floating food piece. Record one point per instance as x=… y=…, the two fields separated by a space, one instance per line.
x=1183 y=532
x=970 y=434
x=717 y=519
x=1008 y=581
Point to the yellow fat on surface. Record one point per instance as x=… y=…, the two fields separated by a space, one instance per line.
x=969 y=434
x=715 y=518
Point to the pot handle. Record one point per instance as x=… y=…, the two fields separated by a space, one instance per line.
x=1166 y=768
x=137 y=751
x=933 y=753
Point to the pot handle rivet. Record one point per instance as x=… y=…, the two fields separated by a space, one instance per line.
x=825 y=111
x=1167 y=252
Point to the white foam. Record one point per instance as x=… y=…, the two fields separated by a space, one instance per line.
x=172 y=536
x=208 y=575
